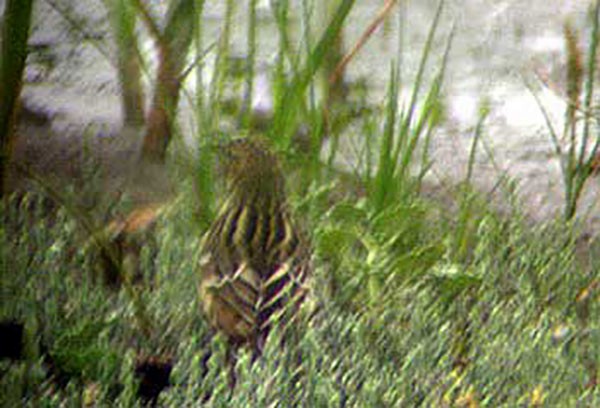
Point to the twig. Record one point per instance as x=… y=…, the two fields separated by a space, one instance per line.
x=148 y=21
x=196 y=61
x=385 y=10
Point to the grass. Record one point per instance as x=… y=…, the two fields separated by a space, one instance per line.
x=395 y=315
x=576 y=147
x=414 y=303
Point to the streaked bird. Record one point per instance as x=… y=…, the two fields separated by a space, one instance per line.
x=254 y=264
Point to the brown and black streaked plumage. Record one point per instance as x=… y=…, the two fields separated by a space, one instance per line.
x=255 y=264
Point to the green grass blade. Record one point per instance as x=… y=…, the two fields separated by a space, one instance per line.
x=293 y=95
x=589 y=87
x=13 y=53
x=407 y=119
x=386 y=165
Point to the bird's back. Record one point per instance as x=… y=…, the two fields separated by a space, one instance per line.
x=253 y=270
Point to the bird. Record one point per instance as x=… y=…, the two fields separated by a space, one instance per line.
x=254 y=265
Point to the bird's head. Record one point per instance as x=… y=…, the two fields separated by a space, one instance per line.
x=250 y=167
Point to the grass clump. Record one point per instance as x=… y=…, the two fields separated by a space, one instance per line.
x=577 y=146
